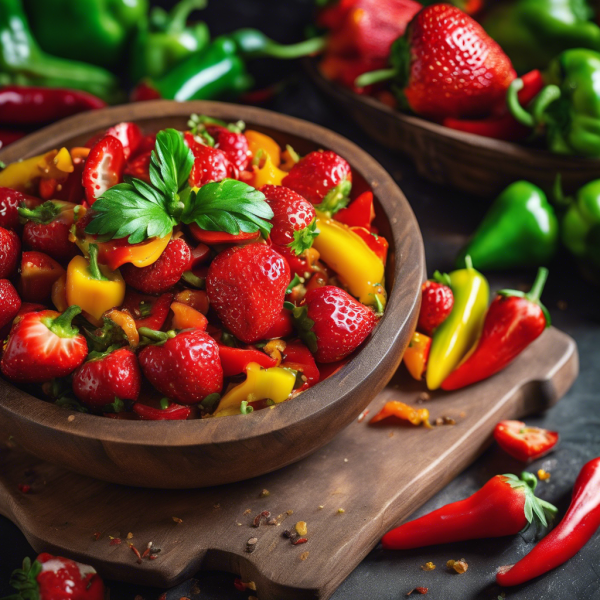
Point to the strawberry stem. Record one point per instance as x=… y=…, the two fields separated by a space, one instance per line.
x=44 y=213
x=62 y=325
x=95 y=271
x=375 y=77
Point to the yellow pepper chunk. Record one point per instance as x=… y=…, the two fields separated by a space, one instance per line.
x=274 y=383
x=20 y=175
x=268 y=174
x=259 y=141
x=350 y=257
x=94 y=288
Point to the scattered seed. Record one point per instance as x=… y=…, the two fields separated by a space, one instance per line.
x=96 y=536
x=238 y=524
x=177 y=520
x=130 y=536
x=216 y=506
x=289 y=512
x=247 y=511
x=251 y=586
x=264 y=494
x=272 y=521
x=71 y=418
x=428 y=566
x=341 y=511
x=304 y=556
x=345 y=460
x=543 y=475
x=321 y=506
x=460 y=566
x=445 y=421
x=423 y=397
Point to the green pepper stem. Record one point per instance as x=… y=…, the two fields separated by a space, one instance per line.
x=558 y=194
x=538 y=285
x=529 y=479
x=514 y=106
x=44 y=213
x=374 y=77
x=543 y=100
x=62 y=325
x=468 y=262
x=305 y=48
x=95 y=271
x=158 y=337
x=180 y=12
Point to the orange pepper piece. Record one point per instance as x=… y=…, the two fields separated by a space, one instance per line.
x=259 y=141
x=417 y=354
x=59 y=293
x=403 y=411
x=186 y=317
x=197 y=299
x=126 y=322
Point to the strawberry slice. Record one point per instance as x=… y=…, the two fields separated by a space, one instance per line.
x=38 y=274
x=10 y=249
x=103 y=167
x=130 y=136
x=10 y=201
x=10 y=303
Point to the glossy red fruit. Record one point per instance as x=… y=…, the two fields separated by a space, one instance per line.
x=130 y=136
x=10 y=303
x=186 y=368
x=235 y=145
x=173 y=412
x=38 y=274
x=316 y=174
x=10 y=200
x=100 y=380
x=298 y=264
x=456 y=69
x=246 y=286
x=138 y=167
x=103 y=167
x=437 y=301
x=523 y=442
x=341 y=323
x=147 y=311
x=359 y=213
x=164 y=273
x=298 y=357
x=210 y=164
x=10 y=250
x=51 y=238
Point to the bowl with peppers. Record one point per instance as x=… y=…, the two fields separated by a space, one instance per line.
x=197 y=293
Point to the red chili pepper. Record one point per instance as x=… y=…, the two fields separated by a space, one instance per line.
x=235 y=360
x=299 y=358
x=504 y=126
x=514 y=320
x=505 y=505
x=8 y=136
x=523 y=442
x=22 y=105
x=359 y=213
x=574 y=531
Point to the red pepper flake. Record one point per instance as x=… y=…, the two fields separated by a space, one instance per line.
x=257 y=519
x=153 y=556
x=115 y=542
x=239 y=585
x=419 y=590
x=301 y=540
x=97 y=535
x=24 y=488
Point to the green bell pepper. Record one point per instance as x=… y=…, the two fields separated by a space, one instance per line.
x=167 y=40
x=22 y=62
x=95 y=31
x=533 y=32
x=567 y=110
x=519 y=230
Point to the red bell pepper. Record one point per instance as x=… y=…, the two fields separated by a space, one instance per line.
x=522 y=442
x=574 y=531
x=283 y=327
x=514 y=320
x=235 y=360
x=298 y=357
x=173 y=412
x=505 y=505
x=147 y=311
x=220 y=237
x=359 y=213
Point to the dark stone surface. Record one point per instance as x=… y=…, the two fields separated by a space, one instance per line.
x=446 y=218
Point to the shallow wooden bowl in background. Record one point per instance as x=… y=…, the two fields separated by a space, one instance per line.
x=188 y=454
x=465 y=161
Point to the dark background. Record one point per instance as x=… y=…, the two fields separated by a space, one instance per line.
x=446 y=218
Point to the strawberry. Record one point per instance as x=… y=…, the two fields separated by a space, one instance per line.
x=340 y=323
x=10 y=303
x=233 y=143
x=10 y=200
x=321 y=177
x=246 y=285
x=103 y=378
x=103 y=167
x=436 y=304
x=210 y=164
x=38 y=274
x=56 y=578
x=147 y=311
x=293 y=222
x=186 y=368
x=10 y=249
x=139 y=166
x=130 y=136
x=43 y=345
x=164 y=273
x=299 y=265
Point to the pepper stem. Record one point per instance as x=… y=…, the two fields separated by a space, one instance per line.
x=374 y=77
x=95 y=271
x=155 y=337
x=44 y=213
x=180 y=12
x=253 y=43
x=530 y=479
x=543 y=100
x=538 y=285
x=62 y=325
x=468 y=262
x=559 y=196
x=517 y=111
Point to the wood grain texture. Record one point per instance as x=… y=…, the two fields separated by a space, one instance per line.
x=189 y=454
x=469 y=162
x=378 y=474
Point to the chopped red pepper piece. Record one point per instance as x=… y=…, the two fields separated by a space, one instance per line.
x=220 y=237
x=173 y=412
x=359 y=213
x=299 y=358
x=415 y=416
x=522 y=442
x=235 y=360
x=148 y=311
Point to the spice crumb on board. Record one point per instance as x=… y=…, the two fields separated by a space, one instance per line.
x=304 y=556
x=264 y=494
x=130 y=536
x=247 y=511
x=301 y=528
x=423 y=397
x=238 y=524
x=445 y=421
x=543 y=475
x=345 y=460
x=71 y=418
x=419 y=590
x=321 y=506
x=177 y=520
x=251 y=545
x=341 y=511
x=460 y=566
x=429 y=566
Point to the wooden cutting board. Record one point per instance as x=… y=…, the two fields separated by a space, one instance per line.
x=349 y=493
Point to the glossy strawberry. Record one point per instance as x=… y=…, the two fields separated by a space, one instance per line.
x=299 y=265
x=210 y=164
x=38 y=274
x=164 y=273
x=246 y=285
x=234 y=144
x=454 y=68
x=293 y=220
x=10 y=200
x=114 y=375
x=437 y=301
x=103 y=167
x=10 y=250
x=43 y=345
x=130 y=136
x=317 y=174
x=186 y=368
x=138 y=167
x=10 y=303
x=341 y=323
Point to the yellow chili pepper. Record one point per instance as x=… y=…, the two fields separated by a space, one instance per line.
x=267 y=174
x=355 y=263
x=94 y=288
x=259 y=141
x=274 y=383
x=459 y=332
x=416 y=355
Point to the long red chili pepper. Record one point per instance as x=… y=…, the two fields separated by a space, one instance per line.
x=23 y=105
x=505 y=505
x=572 y=533
x=514 y=320
x=8 y=136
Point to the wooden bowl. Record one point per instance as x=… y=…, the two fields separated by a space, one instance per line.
x=466 y=161
x=188 y=454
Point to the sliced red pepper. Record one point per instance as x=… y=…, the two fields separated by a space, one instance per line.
x=38 y=274
x=522 y=442
x=236 y=360
x=130 y=136
x=220 y=237
x=377 y=243
x=103 y=167
x=359 y=213
x=298 y=357
x=147 y=311
x=173 y=412
x=328 y=369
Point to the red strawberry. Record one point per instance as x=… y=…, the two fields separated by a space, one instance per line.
x=139 y=166
x=341 y=323
x=56 y=578
x=293 y=222
x=10 y=249
x=129 y=135
x=164 y=273
x=10 y=303
x=233 y=143
x=317 y=174
x=299 y=265
x=103 y=167
x=436 y=304
x=246 y=285
x=10 y=200
x=38 y=274
x=43 y=345
x=210 y=164
x=100 y=380
x=453 y=67
x=147 y=311
x=186 y=368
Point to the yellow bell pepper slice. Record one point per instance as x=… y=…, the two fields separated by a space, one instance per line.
x=56 y=164
x=94 y=288
x=259 y=141
x=274 y=383
x=355 y=263
x=268 y=174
